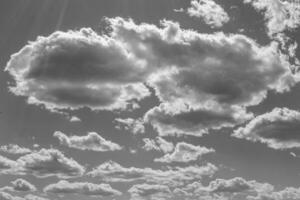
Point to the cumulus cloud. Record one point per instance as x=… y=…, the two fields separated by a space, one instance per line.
x=236 y=185
x=49 y=162
x=114 y=172
x=14 y=149
x=185 y=153
x=153 y=191
x=238 y=73
x=209 y=11
x=279 y=129
x=159 y=144
x=233 y=189
x=34 y=197
x=136 y=126
x=6 y=164
x=81 y=68
x=7 y=196
x=75 y=69
x=83 y=188
x=92 y=141
x=74 y=119
x=280 y=15
x=168 y=119
x=22 y=186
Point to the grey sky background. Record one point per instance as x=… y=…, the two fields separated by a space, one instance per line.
x=32 y=126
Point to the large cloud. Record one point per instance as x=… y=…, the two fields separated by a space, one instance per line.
x=204 y=81
x=279 y=129
x=83 y=188
x=92 y=141
x=210 y=77
x=77 y=69
x=208 y=10
x=114 y=172
x=185 y=153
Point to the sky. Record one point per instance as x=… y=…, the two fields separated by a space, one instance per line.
x=149 y=100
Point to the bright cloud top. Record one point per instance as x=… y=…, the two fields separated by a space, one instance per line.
x=92 y=141
x=279 y=129
x=209 y=11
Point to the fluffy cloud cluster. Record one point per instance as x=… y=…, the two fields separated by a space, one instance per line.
x=234 y=189
x=83 y=188
x=204 y=81
x=23 y=185
x=159 y=144
x=280 y=15
x=136 y=126
x=6 y=164
x=92 y=141
x=208 y=10
x=114 y=172
x=14 y=149
x=143 y=191
x=185 y=153
x=44 y=163
x=7 y=196
x=279 y=129
x=74 y=69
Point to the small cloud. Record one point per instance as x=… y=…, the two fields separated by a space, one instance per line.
x=14 y=149
x=184 y=153
x=92 y=141
x=209 y=11
x=136 y=126
x=22 y=185
x=83 y=188
x=74 y=119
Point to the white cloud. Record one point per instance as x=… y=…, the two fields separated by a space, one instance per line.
x=279 y=129
x=209 y=11
x=220 y=189
x=22 y=185
x=34 y=197
x=185 y=153
x=169 y=119
x=280 y=15
x=238 y=73
x=49 y=162
x=142 y=191
x=136 y=126
x=92 y=141
x=14 y=149
x=83 y=188
x=109 y=72
x=74 y=119
x=6 y=164
x=75 y=69
x=7 y=196
x=159 y=144
x=114 y=172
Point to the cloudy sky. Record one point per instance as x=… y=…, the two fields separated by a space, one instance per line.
x=150 y=100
